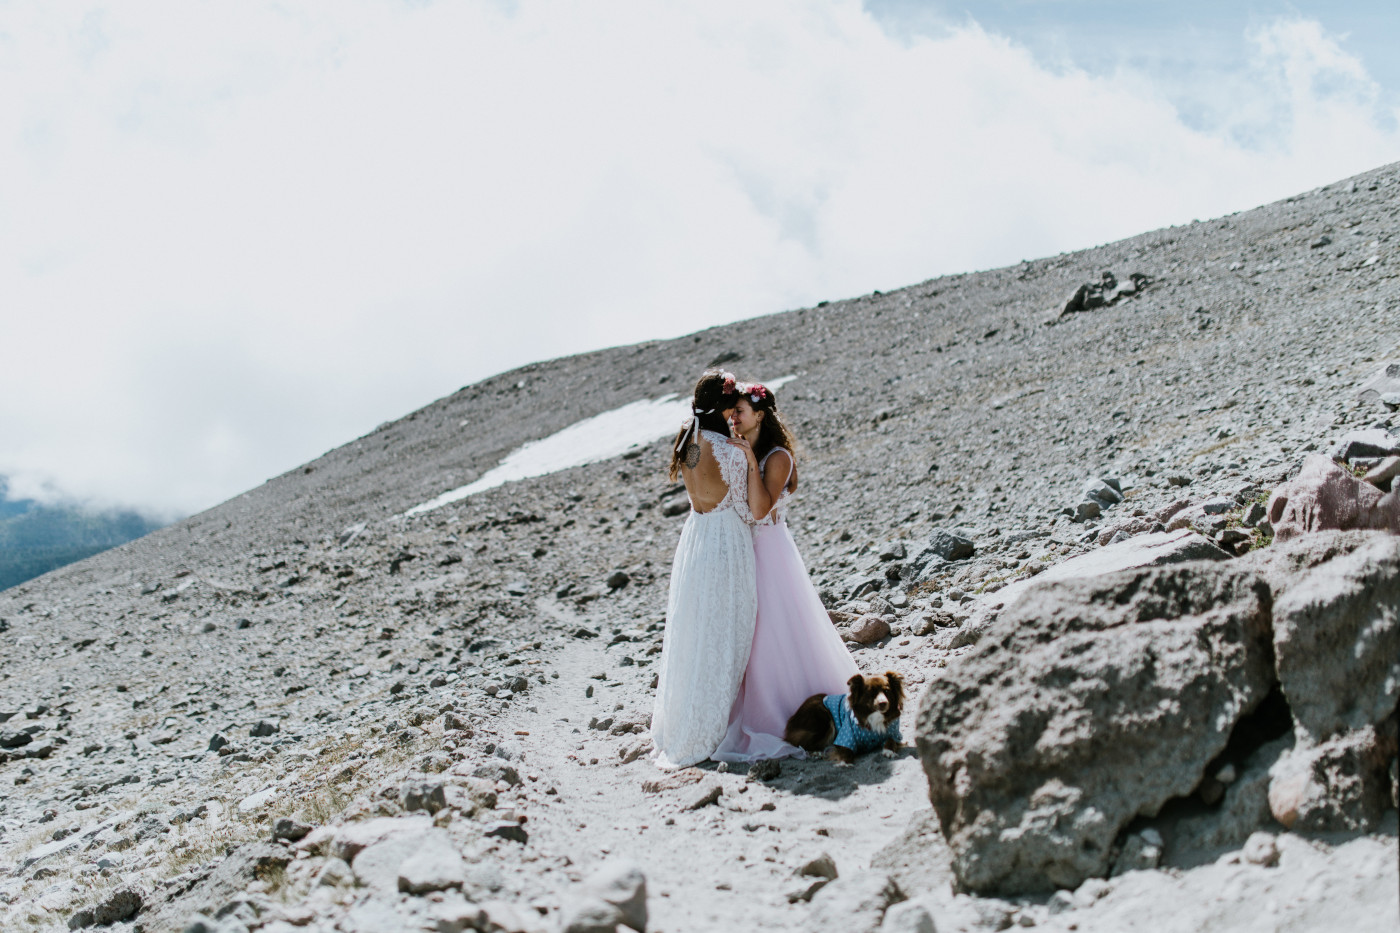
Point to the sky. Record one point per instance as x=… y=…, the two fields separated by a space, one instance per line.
x=234 y=235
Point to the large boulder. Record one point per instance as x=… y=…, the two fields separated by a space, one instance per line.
x=1325 y=496
x=1337 y=641
x=1148 y=550
x=1087 y=703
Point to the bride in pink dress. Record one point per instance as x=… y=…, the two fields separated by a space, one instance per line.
x=796 y=651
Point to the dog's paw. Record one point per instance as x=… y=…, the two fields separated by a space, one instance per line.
x=888 y=753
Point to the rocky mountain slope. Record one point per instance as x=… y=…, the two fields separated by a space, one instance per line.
x=300 y=709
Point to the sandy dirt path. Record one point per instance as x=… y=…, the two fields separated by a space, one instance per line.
x=728 y=864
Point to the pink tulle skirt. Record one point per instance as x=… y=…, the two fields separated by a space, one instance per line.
x=796 y=653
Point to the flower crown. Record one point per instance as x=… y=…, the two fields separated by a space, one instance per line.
x=756 y=391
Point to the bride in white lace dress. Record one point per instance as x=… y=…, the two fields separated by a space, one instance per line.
x=713 y=600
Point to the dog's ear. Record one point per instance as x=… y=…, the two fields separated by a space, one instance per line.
x=856 y=685
x=896 y=687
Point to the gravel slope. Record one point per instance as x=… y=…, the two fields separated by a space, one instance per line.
x=379 y=647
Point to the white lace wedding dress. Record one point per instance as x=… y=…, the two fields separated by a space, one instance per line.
x=710 y=616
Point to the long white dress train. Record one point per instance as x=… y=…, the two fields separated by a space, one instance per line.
x=710 y=614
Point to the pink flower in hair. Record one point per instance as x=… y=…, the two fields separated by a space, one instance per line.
x=756 y=392
x=729 y=383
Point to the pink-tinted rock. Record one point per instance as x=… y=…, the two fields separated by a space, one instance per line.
x=1324 y=496
x=867 y=630
x=1338 y=786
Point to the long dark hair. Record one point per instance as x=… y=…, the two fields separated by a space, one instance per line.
x=709 y=403
x=772 y=430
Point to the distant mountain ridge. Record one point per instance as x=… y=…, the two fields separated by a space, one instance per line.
x=36 y=538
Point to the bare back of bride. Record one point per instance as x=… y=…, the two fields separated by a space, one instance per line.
x=713 y=603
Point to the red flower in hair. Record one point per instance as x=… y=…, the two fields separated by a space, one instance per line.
x=756 y=392
x=729 y=383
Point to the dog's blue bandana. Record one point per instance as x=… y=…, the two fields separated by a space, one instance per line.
x=849 y=733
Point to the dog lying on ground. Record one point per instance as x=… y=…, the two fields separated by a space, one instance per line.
x=860 y=721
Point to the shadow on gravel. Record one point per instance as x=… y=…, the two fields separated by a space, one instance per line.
x=831 y=781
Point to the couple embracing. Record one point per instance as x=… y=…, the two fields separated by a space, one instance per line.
x=747 y=638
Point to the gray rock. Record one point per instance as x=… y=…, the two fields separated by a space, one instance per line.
x=353 y=838
x=1060 y=902
x=217 y=741
x=120 y=905
x=1369 y=442
x=853 y=905
x=420 y=794
x=264 y=728
x=289 y=829
x=908 y=917
x=507 y=829
x=434 y=866
x=1083 y=706
x=228 y=881
x=709 y=793
x=623 y=886
x=1338 y=786
x=588 y=914
x=618 y=579
x=866 y=630
x=942 y=546
x=334 y=872
x=1337 y=640
x=1384 y=380
x=820 y=866
x=1100 y=492
x=498 y=771
x=1084 y=511
x=1140 y=852
x=1148 y=550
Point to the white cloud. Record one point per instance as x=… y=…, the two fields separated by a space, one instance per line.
x=235 y=235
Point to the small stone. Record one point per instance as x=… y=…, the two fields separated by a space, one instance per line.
x=1060 y=902
x=217 y=741
x=289 y=829
x=120 y=905
x=1178 y=479
x=867 y=630
x=1085 y=510
x=622 y=885
x=821 y=866
x=618 y=579
x=507 y=829
x=264 y=728
x=766 y=770
x=335 y=872
x=1227 y=774
x=498 y=771
x=1141 y=851
x=708 y=795
x=435 y=867
x=423 y=795
x=1261 y=849
x=908 y=917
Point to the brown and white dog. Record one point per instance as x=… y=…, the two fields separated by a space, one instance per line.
x=860 y=721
